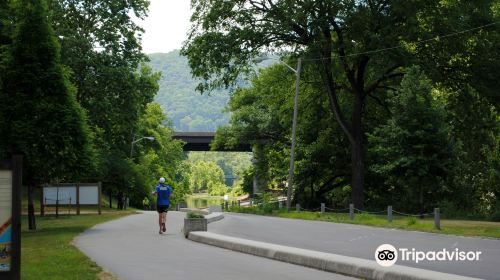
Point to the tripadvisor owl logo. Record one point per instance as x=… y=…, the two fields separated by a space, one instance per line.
x=386 y=255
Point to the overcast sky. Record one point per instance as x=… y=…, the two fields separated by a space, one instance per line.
x=166 y=26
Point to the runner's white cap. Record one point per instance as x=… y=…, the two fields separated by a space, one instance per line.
x=162 y=180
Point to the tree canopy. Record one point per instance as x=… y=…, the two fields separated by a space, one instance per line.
x=358 y=48
x=75 y=93
x=40 y=116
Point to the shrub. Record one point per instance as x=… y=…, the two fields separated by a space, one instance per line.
x=237 y=191
x=194 y=215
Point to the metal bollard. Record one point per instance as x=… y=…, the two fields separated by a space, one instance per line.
x=322 y=208
x=297 y=207
x=351 y=211
x=389 y=213
x=437 y=219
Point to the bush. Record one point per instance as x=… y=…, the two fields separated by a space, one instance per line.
x=237 y=191
x=194 y=215
x=217 y=189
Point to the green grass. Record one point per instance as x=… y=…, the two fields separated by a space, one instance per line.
x=48 y=253
x=455 y=227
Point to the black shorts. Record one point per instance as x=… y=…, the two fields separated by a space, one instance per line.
x=162 y=208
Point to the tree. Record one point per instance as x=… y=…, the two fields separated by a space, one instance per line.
x=261 y=114
x=475 y=126
x=160 y=158
x=115 y=104
x=45 y=123
x=338 y=38
x=206 y=176
x=6 y=15
x=5 y=23
x=413 y=149
x=101 y=48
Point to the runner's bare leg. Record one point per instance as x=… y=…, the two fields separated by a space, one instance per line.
x=160 y=219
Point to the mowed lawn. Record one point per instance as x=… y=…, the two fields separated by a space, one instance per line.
x=455 y=227
x=48 y=253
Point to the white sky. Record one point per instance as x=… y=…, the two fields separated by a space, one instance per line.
x=166 y=26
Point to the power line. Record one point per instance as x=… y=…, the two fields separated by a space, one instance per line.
x=416 y=43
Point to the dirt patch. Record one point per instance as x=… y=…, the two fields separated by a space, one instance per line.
x=106 y=275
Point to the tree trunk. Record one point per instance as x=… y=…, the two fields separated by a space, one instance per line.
x=312 y=195
x=110 y=199
x=31 y=209
x=120 y=201
x=357 y=157
x=421 y=201
x=354 y=132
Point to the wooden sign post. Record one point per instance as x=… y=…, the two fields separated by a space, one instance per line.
x=10 y=218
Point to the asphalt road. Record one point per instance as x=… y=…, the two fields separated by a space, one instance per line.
x=362 y=241
x=131 y=248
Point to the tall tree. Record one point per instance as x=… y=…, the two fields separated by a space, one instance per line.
x=339 y=37
x=5 y=40
x=45 y=123
x=160 y=158
x=412 y=149
x=101 y=47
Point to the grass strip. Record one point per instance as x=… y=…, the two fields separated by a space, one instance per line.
x=48 y=252
x=453 y=227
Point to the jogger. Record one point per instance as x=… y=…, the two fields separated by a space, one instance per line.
x=163 y=193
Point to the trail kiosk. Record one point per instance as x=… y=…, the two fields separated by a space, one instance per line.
x=71 y=194
x=10 y=218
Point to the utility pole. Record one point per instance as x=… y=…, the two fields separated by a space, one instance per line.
x=294 y=130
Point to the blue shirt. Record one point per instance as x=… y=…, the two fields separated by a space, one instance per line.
x=163 y=191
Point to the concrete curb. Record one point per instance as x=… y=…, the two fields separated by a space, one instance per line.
x=214 y=217
x=324 y=261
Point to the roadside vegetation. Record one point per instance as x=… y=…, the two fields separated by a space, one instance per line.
x=395 y=108
x=455 y=227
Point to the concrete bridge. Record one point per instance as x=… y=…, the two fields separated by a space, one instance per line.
x=200 y=141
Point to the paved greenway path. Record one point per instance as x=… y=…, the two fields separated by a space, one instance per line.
x=131 y=248
x=361 y=241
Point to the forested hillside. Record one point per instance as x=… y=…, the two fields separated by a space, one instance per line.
x=188 y=109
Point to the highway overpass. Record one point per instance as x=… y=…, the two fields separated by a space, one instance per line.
x=200 y=141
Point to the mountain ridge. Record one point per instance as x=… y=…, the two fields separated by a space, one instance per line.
x=185 y=107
